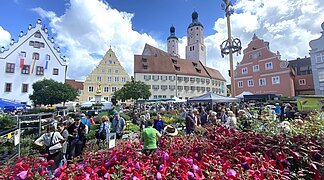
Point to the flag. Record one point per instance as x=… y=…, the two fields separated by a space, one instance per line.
x=46 y=64
x=21 y=63
x=32 y=66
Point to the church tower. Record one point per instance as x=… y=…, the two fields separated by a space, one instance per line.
x=173 y=43
x=195 y=49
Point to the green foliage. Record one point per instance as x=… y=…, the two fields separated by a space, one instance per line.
x=130 y=127
x=126 y=117
x=49 y=92
x=7 y=122
x=133 y=90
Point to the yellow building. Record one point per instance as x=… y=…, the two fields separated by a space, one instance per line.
x=109 y=74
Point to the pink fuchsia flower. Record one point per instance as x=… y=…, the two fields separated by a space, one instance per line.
x=195 y=168
x=158 y=176
x=22 y=175
x=165 y=156
x=231 y=173
x=191 y=175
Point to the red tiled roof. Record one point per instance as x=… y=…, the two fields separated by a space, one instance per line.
x=156 y=61
x=75 y=84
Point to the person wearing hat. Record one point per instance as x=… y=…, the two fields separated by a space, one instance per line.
x=118 y=125
x=150 y=136
x=170 y=130
x=77 y=137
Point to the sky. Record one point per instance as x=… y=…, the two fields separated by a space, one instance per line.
x=85 y=29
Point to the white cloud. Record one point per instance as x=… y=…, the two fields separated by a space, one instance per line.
x=288 y=25
x=4 y=37
x=90 y=27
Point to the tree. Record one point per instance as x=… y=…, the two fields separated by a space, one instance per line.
x=133 y=90
x=49 y=92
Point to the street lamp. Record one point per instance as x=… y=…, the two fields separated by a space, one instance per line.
x=231 y=45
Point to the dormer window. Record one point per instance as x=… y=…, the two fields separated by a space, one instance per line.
x=174 y=61
x=177 y=68
x=144 y=60
x=198 y=70
x=194 y=64
x=144 y=66
x=38 y=34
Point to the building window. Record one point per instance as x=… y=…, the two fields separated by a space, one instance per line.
x=106 y=98
x=177 y=68
x=10 y=68
x=164 y=78
x=144 y=60
x=48 y=57
x=180 y=88
x=109 y=70
x=302 y=81
x=186 y=79
x=198 y=70
x=240 y=84
x=90 y=88
x=155 y=77
x=106 y=89
x=25 y=69
x=35 y=56
x=186 y=88
x=202 y=48
x=276 y=80
x=180 y=79
x=110 y=62
x=198 y=80
x=116 y=71
x=192 y=88
x=155 y=97
x=39 y=70
x=256 y=68
x=174 y=61
x=244 y=70
x=262 y=82
x=31 y=43
x=98 y=78
x=24 y=88
x=55 y=71
x=147 y=77
x=89 y=98
x=164 y=87
x=172 y=87
x=171 y=78
x=116 y=79
x=123 y=79
x=268 y=65
x=37 y=34
x=22 y=54
x=109 y=79
x=113 y=89
x=319 y=58
x=255 y=55
x=250 y=83
x=144 y=66
x=8 y=87
x=155 y=87
x=192 y=80
x=194 y=64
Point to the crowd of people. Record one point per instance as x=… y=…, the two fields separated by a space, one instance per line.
x=66 y=139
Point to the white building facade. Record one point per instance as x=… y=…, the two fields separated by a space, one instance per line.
x=31 y=58
x=181 y=86
x=317 y=61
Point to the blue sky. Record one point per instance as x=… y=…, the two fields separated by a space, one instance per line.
x=150 y=16
x=85 y=29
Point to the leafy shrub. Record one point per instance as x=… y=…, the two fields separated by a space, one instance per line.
x=7 y=122
x=126 y=117
x=130 y=127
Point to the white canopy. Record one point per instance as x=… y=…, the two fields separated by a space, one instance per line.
x=241 y=96
x=178 y=100
x=106 y=104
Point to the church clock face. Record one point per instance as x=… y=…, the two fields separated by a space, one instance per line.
x=283 y=64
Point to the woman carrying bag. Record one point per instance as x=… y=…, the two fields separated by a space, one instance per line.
x=52 y=141
x=103 y=133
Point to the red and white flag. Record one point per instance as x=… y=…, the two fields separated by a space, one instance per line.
x=21 y=60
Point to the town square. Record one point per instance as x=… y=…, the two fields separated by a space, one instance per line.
x=172 y=89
